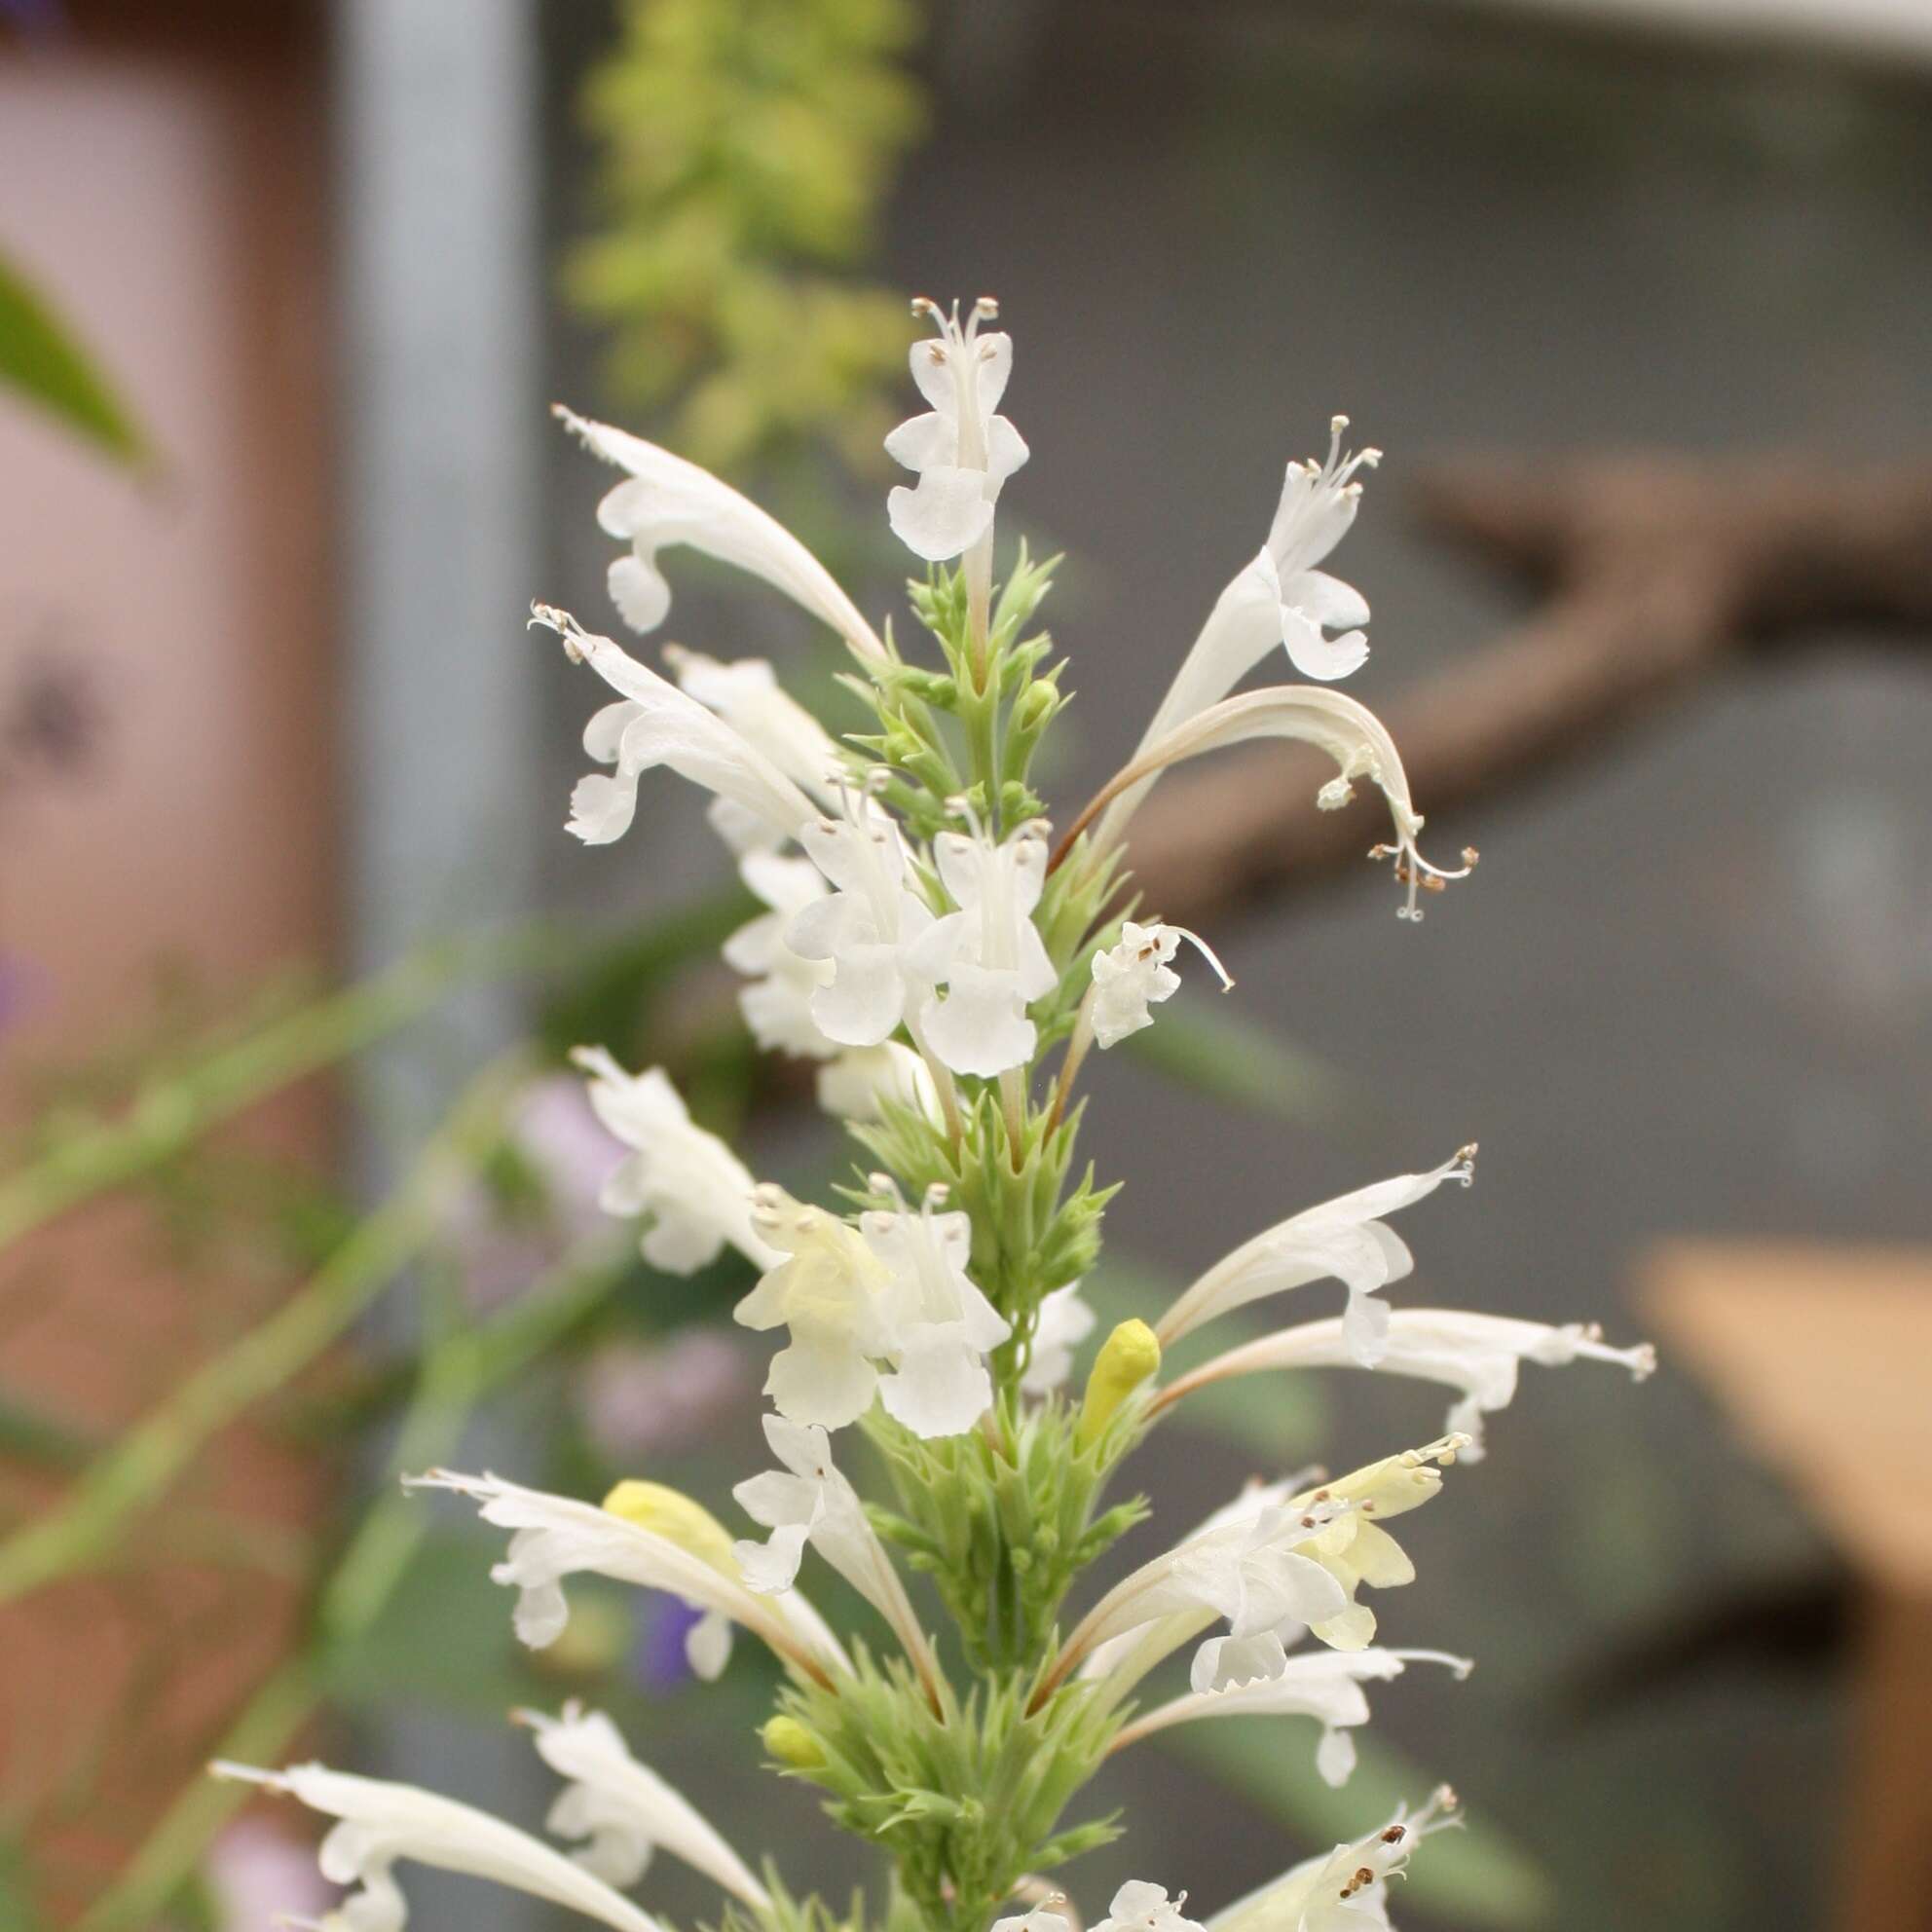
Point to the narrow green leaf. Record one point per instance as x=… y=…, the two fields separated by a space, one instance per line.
x=1230 y=1059
x=1471 y=1877
x=30 y=1435
x=40 y=357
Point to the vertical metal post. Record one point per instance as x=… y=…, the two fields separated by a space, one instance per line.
x=440 y=350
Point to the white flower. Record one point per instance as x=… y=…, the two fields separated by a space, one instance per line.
x=1136 y=973
x=668 y=501
x=809 y=1500
x=1345 y=1237
x=1042 y=1918
x=1343 y=1890
x=962 y=452
x=626 y=1810
x=1281 y=597
x=382 y=1824
x=554 y=1537
x=1324 y=1685
x=1332 y=723
x=866 y=928
x=863 y=1081
x=940 y=1326
x=1139 y=1907
x=988 y=954
x=1273 y=1564
x=1477 y=1354
x=828 y=1287
x=778 y=1003
x=1062 y=1322
x=654 y=722
x=697 y=1191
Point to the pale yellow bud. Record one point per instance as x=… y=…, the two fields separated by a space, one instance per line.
x=790 y=1743
x=1127 y=1359
x=671 y=1514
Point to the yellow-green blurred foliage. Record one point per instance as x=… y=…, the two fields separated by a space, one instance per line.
x=745 y=148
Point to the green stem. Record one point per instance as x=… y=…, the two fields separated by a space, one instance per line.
x=174 y=1112
x=465 y=1368
x=152 y=1455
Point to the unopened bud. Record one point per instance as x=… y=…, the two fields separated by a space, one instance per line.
x=1127 y=1359
x=788 y=1742
x=673 y=1515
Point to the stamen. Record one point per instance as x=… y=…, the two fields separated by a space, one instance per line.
x=564 y=624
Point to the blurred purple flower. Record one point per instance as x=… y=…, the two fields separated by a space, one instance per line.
x=660 y=1663
x=503 y=1246
x=259 y=1876
x=641 y=1401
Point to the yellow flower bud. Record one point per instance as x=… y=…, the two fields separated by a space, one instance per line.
x=790 y=1743
x=1127 y=1359
x=671 y=1514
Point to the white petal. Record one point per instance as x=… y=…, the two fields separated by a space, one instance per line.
x=945 y=515
x=981 y=1027
x=941 y=1389
x=1316 y=655
x=815 y=1384
x=924 y=441
x=602 y=808
x=708 y=1646
x=1336 y=1757
x=867 y=997
x=1330 y=601
x=640 y=592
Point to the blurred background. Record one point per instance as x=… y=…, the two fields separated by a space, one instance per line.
x=1633 y=293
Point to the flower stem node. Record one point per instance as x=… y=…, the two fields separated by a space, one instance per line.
x=1128 y=1358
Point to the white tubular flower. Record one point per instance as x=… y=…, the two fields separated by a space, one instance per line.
x=778 y=1003
x=1139 y=1907
x=554 y=1537
x=1343 y=1890
x=697 y=1192
x=748 y=696
x=809 y=1500
x=1136 y=973
x=654 y=722
x=1064 y=1322
x=989 y=956
x=828 y=1288
x=1347 y=732
x=624 y=1811
x=963 y=453
x=1345 y=1237
x=668 y=501
x=1273 y=1565
x=941 y=1326
x=1281 y=598
x=865 y=928
x=863 y=1081
x=1477 y=1354
x=1324 y=1685
x=382 y=1824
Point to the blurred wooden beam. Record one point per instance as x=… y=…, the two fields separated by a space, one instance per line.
x=1821 y=1360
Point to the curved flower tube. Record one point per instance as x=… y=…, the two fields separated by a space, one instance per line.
x=1324 y=1684
x=1476 y=1355
x=554 y=1537
x=383 y=1823
x=668 y=501
x=1348 y=732
x=1345 y=1237
x=624 y=1810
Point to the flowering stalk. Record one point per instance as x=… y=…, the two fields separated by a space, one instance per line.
x=929 y=951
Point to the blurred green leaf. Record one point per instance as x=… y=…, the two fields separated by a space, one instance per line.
x=1474 y=1876
x=443 y=1636
x=1230 y=1059
x=29 y=1435
x=18 y=1910
x=40 y=357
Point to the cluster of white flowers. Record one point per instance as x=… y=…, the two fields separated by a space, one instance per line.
x=927 y=946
